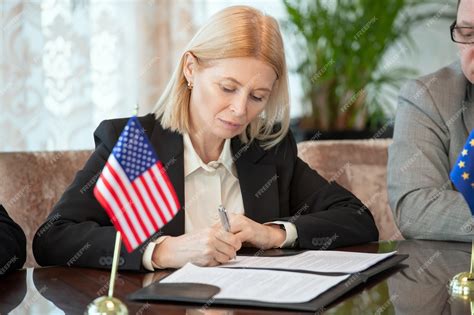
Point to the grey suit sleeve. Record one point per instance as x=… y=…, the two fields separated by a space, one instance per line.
x=421 y=196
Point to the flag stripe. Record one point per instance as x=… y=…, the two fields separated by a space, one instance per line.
x=148 y=198
x=98 y=195
x=104 y=196
x=158 y=202
x=142 y=206
x=130 y=192
x=155 y=188
x=122 y=194
x=171 y=189
x=119 y=207
x=166 y=206
x=118 y=215
x=136 y=204
x=163 y=186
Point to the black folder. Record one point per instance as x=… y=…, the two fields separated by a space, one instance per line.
x=202 y=294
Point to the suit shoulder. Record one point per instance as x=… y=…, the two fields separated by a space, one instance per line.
x=286 y=148
x=449 y=72
x=119 y=123
x=448 y=81
x=109 y=130
x=439 y=94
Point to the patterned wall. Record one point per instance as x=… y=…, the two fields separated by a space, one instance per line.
x=66 y=65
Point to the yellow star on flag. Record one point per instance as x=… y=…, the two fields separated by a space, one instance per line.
x=471 y=143
x=464 y=152
x=472 y=185
x=465 y=176
x=461 y=164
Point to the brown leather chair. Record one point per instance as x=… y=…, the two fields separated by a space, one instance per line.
x=32 y=182
x=361 y=167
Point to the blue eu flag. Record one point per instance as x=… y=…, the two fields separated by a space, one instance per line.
x=462 y=175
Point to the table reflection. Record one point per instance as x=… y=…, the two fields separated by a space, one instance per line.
x=33 y=301
x=423 y=288
x=13 y=291
x=420 y=287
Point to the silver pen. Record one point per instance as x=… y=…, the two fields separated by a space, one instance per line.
x=224 y=218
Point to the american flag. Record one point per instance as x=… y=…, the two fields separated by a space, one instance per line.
x=462 y=175
x=134 y=188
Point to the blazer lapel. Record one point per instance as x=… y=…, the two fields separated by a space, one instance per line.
x=258 y=182
x=169 y=147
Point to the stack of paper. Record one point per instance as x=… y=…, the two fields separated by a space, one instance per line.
x=257 y=285
x=313 y=260
x=278 y=279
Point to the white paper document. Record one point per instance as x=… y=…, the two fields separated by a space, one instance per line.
x=313 y=260
x=257 y=285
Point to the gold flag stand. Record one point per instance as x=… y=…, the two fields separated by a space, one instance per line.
x=462 y=284
x=108 y=305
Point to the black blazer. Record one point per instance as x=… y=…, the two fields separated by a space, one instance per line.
x=275 y=184
x=12 y=244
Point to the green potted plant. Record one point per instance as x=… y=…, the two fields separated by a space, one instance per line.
x=346 y=80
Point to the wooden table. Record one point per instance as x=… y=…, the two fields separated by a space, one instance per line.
x=418 y=286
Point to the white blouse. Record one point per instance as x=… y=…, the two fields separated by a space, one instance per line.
x=206 y=186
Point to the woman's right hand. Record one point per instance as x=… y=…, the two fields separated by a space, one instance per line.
x=209 y=247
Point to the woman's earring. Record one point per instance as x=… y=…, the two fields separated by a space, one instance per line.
x=190 y=86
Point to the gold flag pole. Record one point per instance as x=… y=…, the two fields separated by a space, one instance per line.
x=136 y=110
x=114 y=264
x=108 y=304
x=472 y=257
x=462 y=284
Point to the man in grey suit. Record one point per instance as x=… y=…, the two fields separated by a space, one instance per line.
x=434 y=118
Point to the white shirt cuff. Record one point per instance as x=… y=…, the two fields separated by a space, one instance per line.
x=291 y=233
x=147 y=259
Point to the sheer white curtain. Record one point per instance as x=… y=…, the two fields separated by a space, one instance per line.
x=65 y=65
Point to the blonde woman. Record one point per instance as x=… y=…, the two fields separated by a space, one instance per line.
x=221 y=130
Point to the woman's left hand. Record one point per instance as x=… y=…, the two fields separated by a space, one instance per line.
x=256 y=234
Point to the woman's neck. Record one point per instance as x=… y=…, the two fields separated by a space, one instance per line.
x=207 y=146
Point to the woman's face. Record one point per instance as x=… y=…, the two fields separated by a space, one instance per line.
x=227 y=94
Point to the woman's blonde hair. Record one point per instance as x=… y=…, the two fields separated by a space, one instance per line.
x=237 y=31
